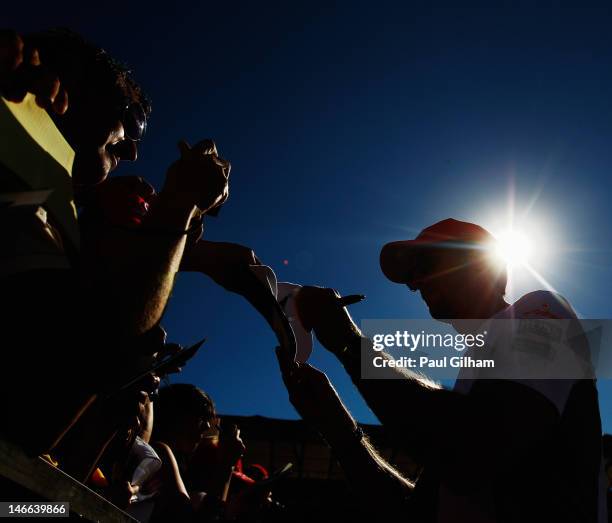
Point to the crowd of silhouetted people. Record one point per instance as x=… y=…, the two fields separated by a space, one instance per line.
x=85 y=352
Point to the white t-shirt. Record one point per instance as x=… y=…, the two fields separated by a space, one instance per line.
x=454 y=507
x=511 y=364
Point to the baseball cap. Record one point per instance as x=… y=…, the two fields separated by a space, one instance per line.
x=403 y=261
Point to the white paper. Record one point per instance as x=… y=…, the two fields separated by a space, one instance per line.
x=303 y=338
x=285 y=292
x=149 y=464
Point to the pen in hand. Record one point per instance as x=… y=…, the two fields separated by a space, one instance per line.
x=351 y=299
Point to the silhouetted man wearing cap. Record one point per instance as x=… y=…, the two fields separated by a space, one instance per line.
x=493 y=450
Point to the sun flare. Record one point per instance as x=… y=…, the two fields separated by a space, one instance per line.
x=514 y=248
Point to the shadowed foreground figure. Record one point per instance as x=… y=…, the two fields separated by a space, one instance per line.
x=68 y=317
x=492 y=450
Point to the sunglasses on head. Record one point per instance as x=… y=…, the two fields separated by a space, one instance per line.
x=134 y=120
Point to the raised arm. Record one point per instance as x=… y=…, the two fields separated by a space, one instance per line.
x=438 y=427
x=314 y=397
x=131 y=270
x=414 y=408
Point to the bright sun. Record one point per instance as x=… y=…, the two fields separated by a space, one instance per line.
x=527 y=243
x=513 y=248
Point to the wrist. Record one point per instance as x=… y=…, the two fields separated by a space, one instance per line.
x=188 y=196
x=350 y=348
x=197 y=257
x=173 y=209
x=336 y=341
x=344 y=439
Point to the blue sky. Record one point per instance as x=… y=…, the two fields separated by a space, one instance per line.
x=350 y=125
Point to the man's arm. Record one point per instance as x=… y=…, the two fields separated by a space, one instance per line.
x=431 y=422
x=419 y=412
x=374 y=479
x=129 y=283
x=221 y=261
x=314 y=397
x=130 y=272
x=436 y=426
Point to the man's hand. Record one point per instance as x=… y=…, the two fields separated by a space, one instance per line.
x=200 y=177
x=220 y=261
x=21 y=72
x=315 y=399
x=321 y=310
x=230 y=446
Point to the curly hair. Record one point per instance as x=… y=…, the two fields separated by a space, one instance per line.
x=81 y=65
